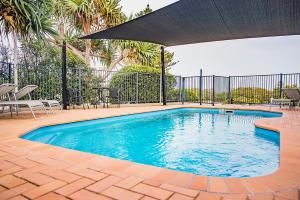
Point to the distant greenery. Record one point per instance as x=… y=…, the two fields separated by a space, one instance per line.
x=242 y=95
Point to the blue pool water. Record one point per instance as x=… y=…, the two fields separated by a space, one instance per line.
x=199 y=141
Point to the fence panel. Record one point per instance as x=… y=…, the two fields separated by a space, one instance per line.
x=291 y=80
x=254 y=89
x=148 y=88
x=221 y=88
x=173 y=88
x=47 y=78
x=211 y=89
x=258 y=89
x=6 y=70
x=127 y=83
x=207 y=89
x=190 y=89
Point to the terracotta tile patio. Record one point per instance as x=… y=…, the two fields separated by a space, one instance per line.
x=30 y=170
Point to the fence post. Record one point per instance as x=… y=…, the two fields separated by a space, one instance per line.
x=79 y=82
x=137 y=88
x=280 y=85
x=180 y=89
x=200 y=87
x=229 y=91
x=213 y=92
x=64 y=75
x=9 y=72
x=160 y=88
x=163 y=76
x=183 y=91
x=299 y=81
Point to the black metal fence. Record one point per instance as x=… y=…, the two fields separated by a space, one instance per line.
x=146 y=88
x=252 y=89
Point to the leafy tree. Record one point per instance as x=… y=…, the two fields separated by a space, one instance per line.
x=22 y=18
x=89 y=15
x=82 y=13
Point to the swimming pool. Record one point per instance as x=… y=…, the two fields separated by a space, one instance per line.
x=199 y=141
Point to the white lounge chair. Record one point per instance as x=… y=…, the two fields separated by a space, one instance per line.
x=5 y=89
x=28 y=89
x=4 y=92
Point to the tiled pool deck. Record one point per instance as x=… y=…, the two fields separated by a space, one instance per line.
x=30 y=170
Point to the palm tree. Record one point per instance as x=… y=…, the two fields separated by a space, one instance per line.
x=20 y=18
x=58 y=10
x=90 y=15
x=110 y=13
x=83 y=14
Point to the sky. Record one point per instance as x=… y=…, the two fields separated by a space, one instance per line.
x=235 y=57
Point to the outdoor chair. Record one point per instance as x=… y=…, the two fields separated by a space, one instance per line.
x=75 y=98
x=293 y=98
x=26 y=91
x=113 y=96
x=5 y=89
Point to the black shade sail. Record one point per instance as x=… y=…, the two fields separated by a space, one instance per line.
x=197 y=21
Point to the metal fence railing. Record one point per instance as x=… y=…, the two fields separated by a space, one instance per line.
x=146 y=87
x=258 y=89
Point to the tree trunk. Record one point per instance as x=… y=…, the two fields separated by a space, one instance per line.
x=73 y=49
x=88 y=48
x=114 y=63
x=76 y=51
x=61 y=30
x=88 y=44
x=15 y=41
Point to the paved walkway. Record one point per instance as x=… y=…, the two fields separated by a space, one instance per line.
x=30 y=170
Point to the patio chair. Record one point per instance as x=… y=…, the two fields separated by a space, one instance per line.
x=25 y=91
x=293 y=94
x=74 y=98
x=113 y=96
x=293 y=98
x=5 y=89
